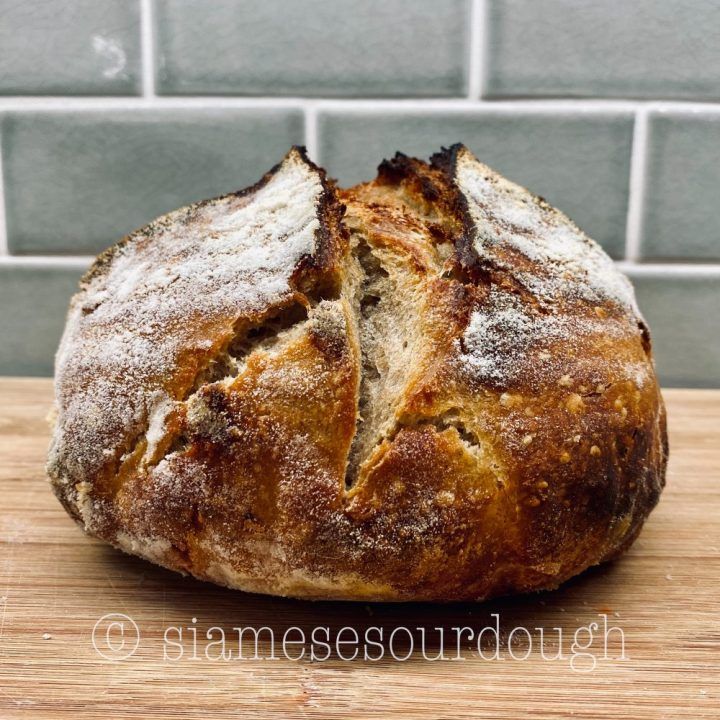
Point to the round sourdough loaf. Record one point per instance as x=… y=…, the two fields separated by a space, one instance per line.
x=432 y=386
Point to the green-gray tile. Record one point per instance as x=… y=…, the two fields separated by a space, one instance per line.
x=33 y=303
x=312 y=47
x=683 y=312
x=73 y=47
x=681 y=216
x=602 y=48
x=75 y=182
x=578 y=162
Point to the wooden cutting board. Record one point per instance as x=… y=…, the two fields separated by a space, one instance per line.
x=56 y=585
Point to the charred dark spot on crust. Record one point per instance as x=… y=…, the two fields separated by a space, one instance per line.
x=392 y=171
x=429 y=190
x=440 y=234
x=446 y=159
x=423 y=185
x=435 y=182
x=320 y=271
x=645 y=337
x=468 y=261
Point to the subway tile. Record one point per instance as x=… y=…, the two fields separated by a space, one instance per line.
x=607 y=48
x=312 y=47
x=683 y=312
x=73 y=47
x=579 y=162
x=681 y=219
x=75 y=182
x=33 y=303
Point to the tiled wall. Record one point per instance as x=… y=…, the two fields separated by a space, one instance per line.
x=114 y=111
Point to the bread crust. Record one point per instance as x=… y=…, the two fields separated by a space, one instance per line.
x=447 y=394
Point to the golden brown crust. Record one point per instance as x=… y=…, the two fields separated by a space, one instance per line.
x=511 y=429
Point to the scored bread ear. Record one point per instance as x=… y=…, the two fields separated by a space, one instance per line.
x=508 y=228
x=156 y=310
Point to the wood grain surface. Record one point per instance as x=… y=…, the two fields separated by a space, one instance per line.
x=56 y=584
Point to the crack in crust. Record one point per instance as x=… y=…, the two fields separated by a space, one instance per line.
x=429 y=386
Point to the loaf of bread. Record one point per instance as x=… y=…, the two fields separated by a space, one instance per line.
x=432 y=386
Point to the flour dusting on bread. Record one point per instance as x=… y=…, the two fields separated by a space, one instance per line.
x=507 y=338
x=564 y=261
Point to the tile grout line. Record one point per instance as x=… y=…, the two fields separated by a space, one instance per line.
x=475 y=55
x=429 y=105
x=4 y=250
x=137 y=102
x=311 y=132
x=423 y=105
x=147 y=49
x=79 y=261
x=636 y=194
x=670 y=268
